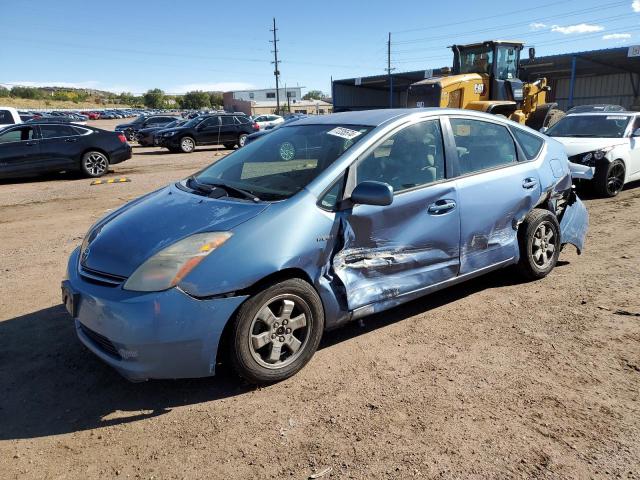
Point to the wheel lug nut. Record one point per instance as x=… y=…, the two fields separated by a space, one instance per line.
x=273 y=336
x=282 y=339
x=288 y=330
x=284 y=322
x=276 y=325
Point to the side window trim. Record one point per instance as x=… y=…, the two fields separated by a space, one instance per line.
x=455 y=158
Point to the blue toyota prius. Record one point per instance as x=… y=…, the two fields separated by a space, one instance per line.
x=325 y=220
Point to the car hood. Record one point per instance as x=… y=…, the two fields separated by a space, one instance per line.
x=574 y=145
x=124 y=239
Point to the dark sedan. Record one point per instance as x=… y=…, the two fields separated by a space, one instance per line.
x=131 y=129
x=146 y=136
x=45 y=147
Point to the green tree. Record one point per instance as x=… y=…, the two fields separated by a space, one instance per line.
x=196 y=100
x=4 y=92
x=313 y=95
x=215 y=98
x=154 y=98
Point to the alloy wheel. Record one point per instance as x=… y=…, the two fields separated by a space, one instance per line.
x=280 y=331
x=96 y=164
x=543 y=247
x=615 y=179
x=187 y=145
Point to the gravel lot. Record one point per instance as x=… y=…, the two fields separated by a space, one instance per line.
x=494 y=378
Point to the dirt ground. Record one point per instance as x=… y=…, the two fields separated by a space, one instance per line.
x=491 y=379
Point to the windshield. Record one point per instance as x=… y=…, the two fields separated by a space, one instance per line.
x=597 y=126
x=285 y=161
x=476 y=60
x=193 y=122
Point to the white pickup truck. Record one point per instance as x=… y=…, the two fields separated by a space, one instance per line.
x=9 y=116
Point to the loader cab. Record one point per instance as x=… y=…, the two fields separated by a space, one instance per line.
x=499 y=60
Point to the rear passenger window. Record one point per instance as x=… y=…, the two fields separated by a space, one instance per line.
x=226 y=120
x=482 y=145
x=6 y=118
x=54 y=131
x=409 y=158
x=530 y=144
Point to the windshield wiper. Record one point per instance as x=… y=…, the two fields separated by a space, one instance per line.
x=208 y=187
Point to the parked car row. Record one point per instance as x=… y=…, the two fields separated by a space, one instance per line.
x=45 y=147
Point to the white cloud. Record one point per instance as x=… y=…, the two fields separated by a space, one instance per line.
x=617 y=36
x=579 y=28
x=540 y=26
x=635 y=5
x=212 y=87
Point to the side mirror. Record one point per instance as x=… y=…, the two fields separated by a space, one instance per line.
x=543 y=129
x=532 y=54
x=636 y=133
x=372 y=193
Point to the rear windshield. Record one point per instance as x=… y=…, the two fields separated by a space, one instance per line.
x=5 y=117
x=286 y=160
x=598 y=126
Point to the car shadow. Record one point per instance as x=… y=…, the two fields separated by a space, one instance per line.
x=587 y=192
x=167 y=152
x=51 y=384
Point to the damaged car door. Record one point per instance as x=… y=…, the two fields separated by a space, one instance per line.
x=393 y=250
x=495 y=189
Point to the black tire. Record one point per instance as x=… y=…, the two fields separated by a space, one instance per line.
x=608 y=180
x=554 y=116
x=531 y=243
x=241 y=139
x=248 y=330
x=187 y=144
x=229 y=146
x=129 y=135
x=94 y=164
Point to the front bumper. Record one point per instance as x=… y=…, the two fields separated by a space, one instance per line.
x=169 y=142
x=148 y=335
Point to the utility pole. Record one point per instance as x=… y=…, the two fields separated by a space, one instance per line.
x=389 y=70
x=275 y=62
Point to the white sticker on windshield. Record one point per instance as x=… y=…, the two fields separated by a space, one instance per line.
x=616 y=117
x=342 y=132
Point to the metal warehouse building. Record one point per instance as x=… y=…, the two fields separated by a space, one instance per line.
x=581 y=78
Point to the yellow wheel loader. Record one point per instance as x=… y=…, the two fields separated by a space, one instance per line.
x=485 y=78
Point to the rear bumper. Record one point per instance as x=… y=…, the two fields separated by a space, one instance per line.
x=149 y=335
x=121 y=154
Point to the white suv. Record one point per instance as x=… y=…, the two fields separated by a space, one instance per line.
x=608 y=143
x=266 y=122
x=9 y=116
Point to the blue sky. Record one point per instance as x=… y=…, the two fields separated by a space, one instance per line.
x=180 y=46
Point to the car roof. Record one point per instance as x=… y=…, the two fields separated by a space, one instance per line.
x=603 y=114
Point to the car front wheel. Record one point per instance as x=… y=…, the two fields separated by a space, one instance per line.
x=609 y=178
x=276 y=332
x=242 y=139
x=539 y=241
x=94 y=164
x=187 y=145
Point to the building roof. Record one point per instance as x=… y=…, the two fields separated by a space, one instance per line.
x=297 y=103
x=609 y=60
x=282 y=87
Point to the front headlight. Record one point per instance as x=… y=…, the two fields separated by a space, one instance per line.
x=600 y=154
x=169 y=266
x=168 y=134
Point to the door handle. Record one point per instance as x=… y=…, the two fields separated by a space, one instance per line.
x=441 y=206
x=71 y=140
x=30 y=144
x=529 y=183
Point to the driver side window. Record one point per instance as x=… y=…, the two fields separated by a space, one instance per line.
x=409 y=158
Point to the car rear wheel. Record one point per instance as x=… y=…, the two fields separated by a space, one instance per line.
x=609 y=178
x=187 y=144
x=229 y=146
x=276 y=332
x=539 y=241
x=242 y=139
x=94 y=164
